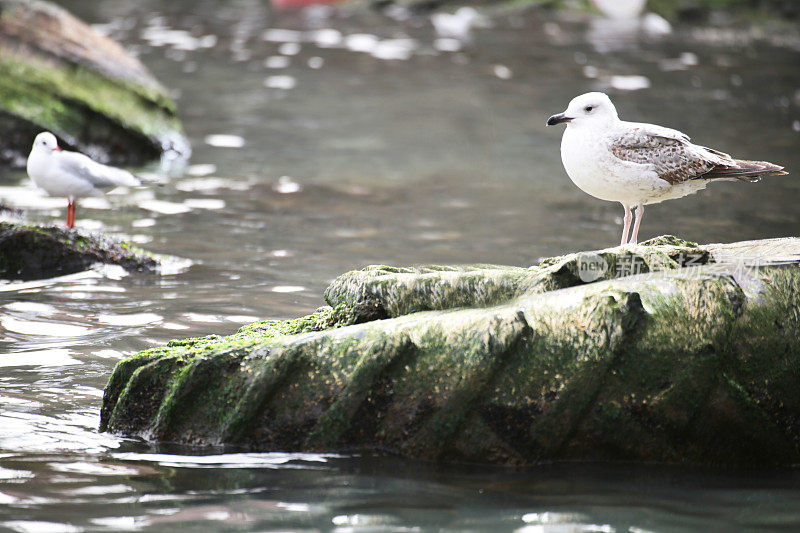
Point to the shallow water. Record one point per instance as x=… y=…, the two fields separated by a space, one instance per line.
x=341 y=158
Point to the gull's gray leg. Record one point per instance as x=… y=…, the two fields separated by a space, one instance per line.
x=626 y=226
x=639 y=216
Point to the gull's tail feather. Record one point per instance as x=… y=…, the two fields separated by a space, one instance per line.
x=746 y=170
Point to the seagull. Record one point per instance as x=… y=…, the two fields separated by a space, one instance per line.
x=638 y=164
x=458 y=25
x=620 y=9
x=71 y=174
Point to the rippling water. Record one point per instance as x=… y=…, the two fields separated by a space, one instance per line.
x=351 y=139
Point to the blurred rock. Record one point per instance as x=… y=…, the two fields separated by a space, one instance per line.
x=58 y=74
x=28 y=252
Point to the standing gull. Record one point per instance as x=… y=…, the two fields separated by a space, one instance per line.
x=71 y=174
x=638 y=164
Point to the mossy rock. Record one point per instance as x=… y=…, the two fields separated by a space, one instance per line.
x=58 y=74
x=33 y=252
x=380 y=291
x=695 y=357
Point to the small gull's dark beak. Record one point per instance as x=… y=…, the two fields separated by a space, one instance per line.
x=558 y=119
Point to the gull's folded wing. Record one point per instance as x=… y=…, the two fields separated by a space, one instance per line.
x=100 y=176
x=675 y=159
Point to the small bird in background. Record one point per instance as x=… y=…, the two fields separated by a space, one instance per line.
x=620 y=9
x=72 y=174
x=639 y=164
x=459 y=25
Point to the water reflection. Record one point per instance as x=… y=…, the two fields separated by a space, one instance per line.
x=221 y=140
x=56 y=357
x=231 y=460
x=323 y=492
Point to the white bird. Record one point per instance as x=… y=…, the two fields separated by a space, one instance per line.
x=639 y=164
x=71 y=174
x=620 y=9
x=459 y=25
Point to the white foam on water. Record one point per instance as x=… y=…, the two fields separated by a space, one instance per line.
x=280 y=81
x=279 y=35
x=47 y=329
x=205 y=203
x=201 y=169
x=224 y=140
x=164 y=207
x=288 y=288
x=134 y=319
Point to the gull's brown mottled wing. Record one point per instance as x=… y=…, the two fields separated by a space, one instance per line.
x=676 y=160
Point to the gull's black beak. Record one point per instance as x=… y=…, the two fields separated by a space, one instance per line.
x=558 y=119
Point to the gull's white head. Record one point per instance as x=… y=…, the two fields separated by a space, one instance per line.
x=45 y=142
x=593 y=109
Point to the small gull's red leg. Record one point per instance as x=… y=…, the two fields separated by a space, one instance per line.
x=71 y=214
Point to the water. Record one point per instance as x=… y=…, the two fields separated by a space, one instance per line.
x=335 y=158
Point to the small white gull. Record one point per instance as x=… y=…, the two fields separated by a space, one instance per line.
x=71 y=174
x=459 y=25
x=620 y=9
x=638 y=164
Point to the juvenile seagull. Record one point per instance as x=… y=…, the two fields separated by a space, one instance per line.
x=71 y=174
x=638 y=164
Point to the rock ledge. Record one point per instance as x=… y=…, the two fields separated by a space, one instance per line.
x=693 y=358
x=34 y=252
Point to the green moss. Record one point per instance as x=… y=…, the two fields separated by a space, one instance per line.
x=28 y=251
x=379 y=292
x=118 y=381
x=250 y=335
x=686 y=364
x=669 y=240
x=254 y=333
x=323 y=318
x=51 y=95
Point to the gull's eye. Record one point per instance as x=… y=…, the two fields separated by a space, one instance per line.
x=588 y=108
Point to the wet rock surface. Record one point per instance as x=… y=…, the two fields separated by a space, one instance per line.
x=58 y=74
x=673 y=352
x=35 y=252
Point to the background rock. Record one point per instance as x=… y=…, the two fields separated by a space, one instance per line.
x=35 y=252
x=58 y=74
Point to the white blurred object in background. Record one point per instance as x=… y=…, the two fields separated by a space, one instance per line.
x=459 y=25
x=620 y=9
x=654 y=24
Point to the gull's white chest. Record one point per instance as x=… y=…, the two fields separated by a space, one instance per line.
x=592 y=166
x=45 y=171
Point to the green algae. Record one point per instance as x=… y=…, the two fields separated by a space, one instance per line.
x=378 y=291
x=252 y=334
x=693 y=362
x=193 y=351
x=45 y=93
x=72 y=100
x=338 y=419
x=29 y=251
x=57 y=74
